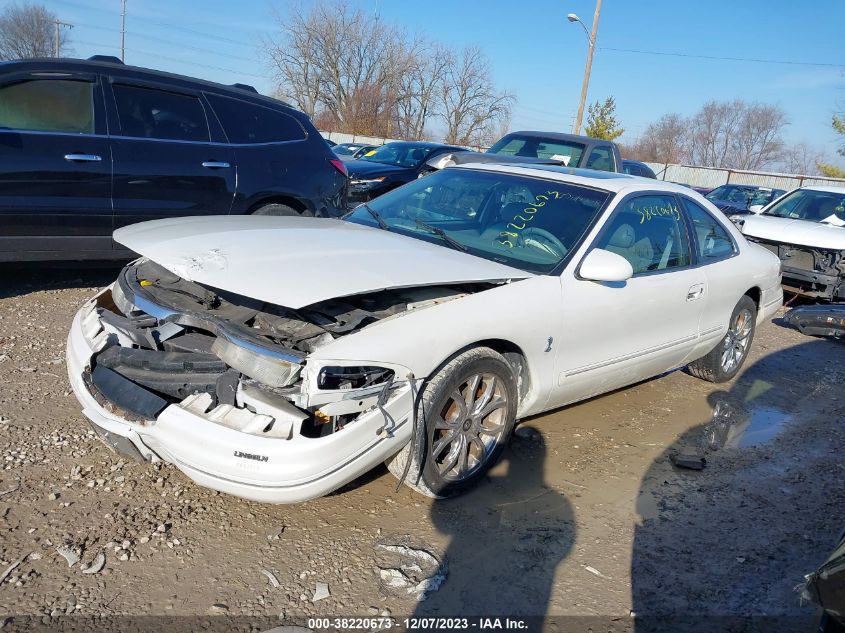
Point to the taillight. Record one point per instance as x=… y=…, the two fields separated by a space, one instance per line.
x=338 y=164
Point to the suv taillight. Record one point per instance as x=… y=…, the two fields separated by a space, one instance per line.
x=338 y=164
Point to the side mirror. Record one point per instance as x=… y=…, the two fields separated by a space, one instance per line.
x=755 y=208
x=602 y=265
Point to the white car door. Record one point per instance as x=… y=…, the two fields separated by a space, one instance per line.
x=716 y=252
x=615 y=334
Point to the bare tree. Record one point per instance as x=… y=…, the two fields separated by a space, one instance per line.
x=758 y=142
x=736 y=134
x=471 y=106
x=664 y=141
x=28 y=30
x=802 y=159
x=419 y=87
x=341 y=63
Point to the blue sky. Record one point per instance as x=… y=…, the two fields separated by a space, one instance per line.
x=535 y=53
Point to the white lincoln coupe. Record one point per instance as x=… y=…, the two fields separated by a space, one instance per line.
x=278 y=358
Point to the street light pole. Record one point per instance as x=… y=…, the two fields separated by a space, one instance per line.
x=123 y=30
x=591 y=39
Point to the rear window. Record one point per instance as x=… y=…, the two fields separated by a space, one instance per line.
x=250 y=123
x=151 y=113
x=48 y=105
x=533 y=147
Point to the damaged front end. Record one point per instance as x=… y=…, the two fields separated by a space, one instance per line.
x=221 y=386
x=809 y=271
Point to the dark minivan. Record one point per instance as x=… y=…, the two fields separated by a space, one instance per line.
x=88 y=146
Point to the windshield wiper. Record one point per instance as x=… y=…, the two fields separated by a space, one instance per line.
x=376 y=216
x=442 y=235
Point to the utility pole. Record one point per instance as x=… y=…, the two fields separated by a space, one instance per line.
x=58 y=23
x=592 y=42
x=123 y=30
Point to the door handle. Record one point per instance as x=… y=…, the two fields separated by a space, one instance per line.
x=695 y=292
x=215 y=164
x=83 y=158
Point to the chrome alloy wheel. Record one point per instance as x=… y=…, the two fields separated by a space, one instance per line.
x=469 y=426
x=736 y=340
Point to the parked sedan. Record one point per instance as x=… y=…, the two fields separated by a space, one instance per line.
x=351 y=151
x=806 y=230
x=637 y=168
x=390 y=166
x=739 y=199
x=279 y=358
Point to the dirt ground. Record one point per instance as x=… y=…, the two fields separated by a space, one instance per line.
x=585 y=516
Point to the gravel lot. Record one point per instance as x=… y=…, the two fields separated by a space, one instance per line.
x=584 y=516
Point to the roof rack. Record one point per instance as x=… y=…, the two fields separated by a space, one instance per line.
x=245 y=87
x=105 y=58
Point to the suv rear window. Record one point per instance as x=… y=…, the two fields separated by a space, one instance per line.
x=250 y=123
x=151 y=113
x=48 y=105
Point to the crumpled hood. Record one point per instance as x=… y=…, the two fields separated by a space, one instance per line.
x=294 y=262
x=798 y=232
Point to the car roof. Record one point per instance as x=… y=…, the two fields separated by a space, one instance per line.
x=607 y=180
x=428 y=144
x=104 y=65
x=559 y=136
x=825 y=188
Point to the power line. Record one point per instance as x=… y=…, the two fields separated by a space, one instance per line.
x=717 y=58
x=172 y=59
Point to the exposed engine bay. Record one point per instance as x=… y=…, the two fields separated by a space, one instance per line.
x=809 y=271
x=163 y=340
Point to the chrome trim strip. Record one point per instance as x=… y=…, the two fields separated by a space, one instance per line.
x=163 y=313
x=622 y=359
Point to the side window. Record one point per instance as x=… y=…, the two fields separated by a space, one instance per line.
x=714 y=242
x=151 y=113
x=250 y=123
x=649 y=232
x=48 y=105
x=600 y=158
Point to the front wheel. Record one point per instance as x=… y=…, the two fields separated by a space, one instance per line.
x=466 y=414
x=725 y=360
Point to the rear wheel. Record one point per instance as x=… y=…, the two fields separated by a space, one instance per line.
x=466 y=414
x=280 y=209
x=726 y=359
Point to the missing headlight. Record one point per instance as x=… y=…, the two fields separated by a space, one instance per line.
x=352 y=377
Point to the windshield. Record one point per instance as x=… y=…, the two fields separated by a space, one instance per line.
x=743 y=195
x=401 y=154
x=346 y=149
x=815 y=206
x=532 y=147
x=528 y=223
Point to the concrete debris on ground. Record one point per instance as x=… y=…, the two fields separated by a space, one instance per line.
x=96 y=565
x=403 y=569
x=321 y=592
x=69 y=554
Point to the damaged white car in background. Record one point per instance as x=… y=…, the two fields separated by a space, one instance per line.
x=806 y=230
x=278 y=358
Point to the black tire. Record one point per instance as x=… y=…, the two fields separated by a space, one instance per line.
x=441 y=416
x=714 y=367
x=280 y=209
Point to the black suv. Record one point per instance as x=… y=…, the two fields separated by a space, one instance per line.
x=88 y=146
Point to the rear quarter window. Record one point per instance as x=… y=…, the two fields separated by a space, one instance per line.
x=48 y=105
x=247 y=123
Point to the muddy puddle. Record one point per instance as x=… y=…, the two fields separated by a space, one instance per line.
x=744 y=427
